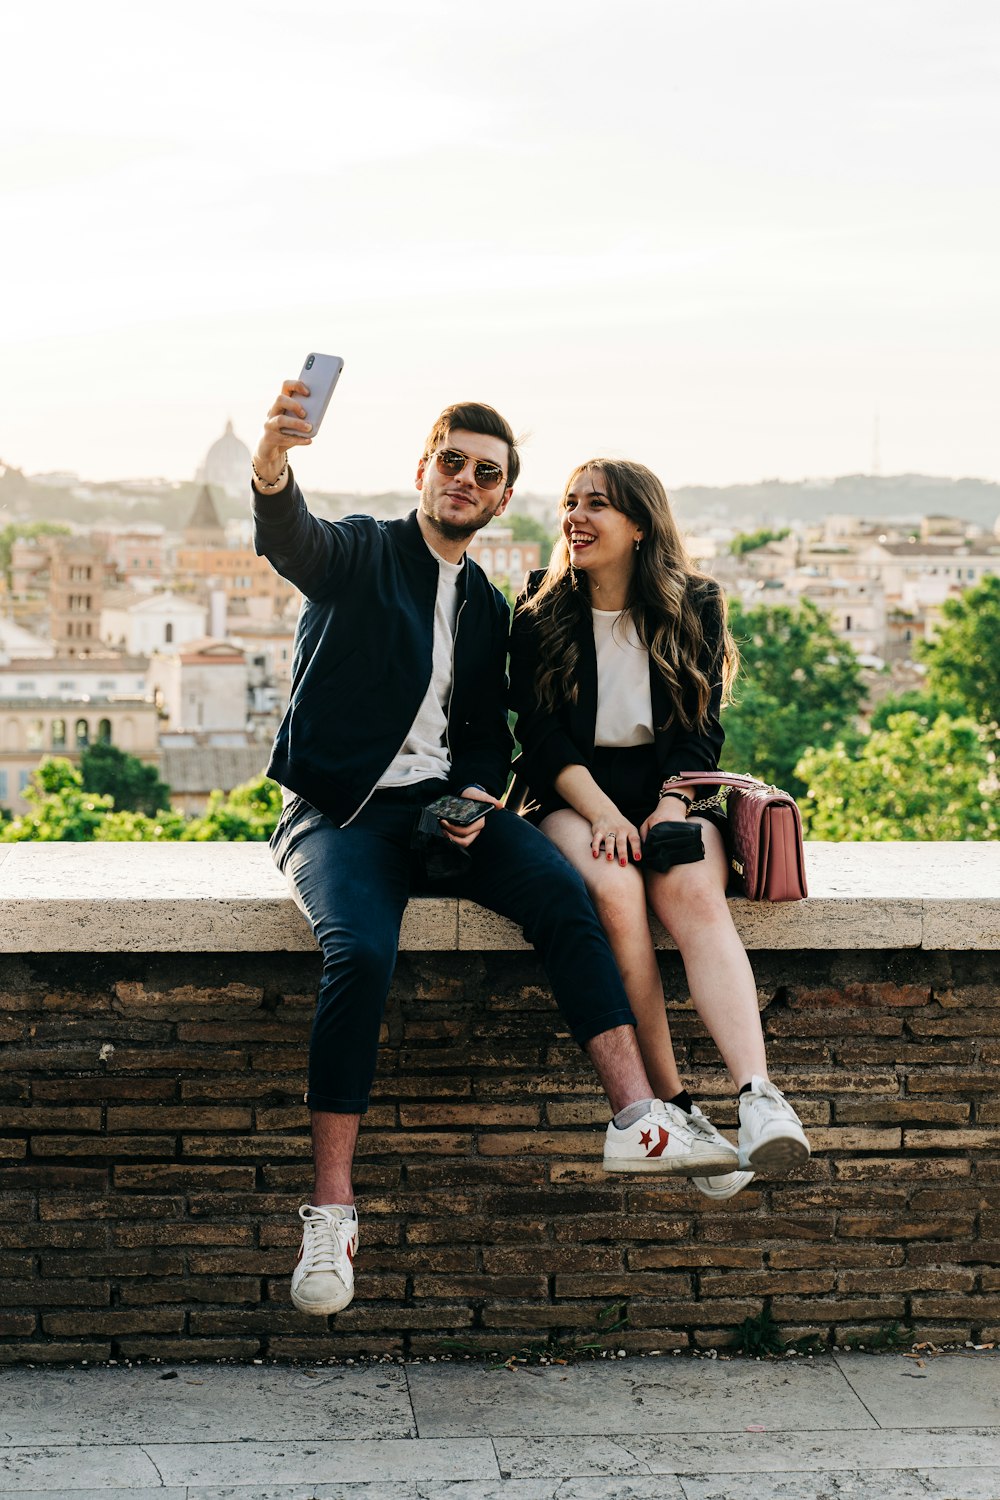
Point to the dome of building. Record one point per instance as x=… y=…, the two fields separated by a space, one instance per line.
x=227 y=464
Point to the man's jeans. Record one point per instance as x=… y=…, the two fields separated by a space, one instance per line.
x=353 y=884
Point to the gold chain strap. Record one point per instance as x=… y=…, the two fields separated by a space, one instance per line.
x=705 y=804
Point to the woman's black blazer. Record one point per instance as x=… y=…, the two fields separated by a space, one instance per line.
x=553 y=739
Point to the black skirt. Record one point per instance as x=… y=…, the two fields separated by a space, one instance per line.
x=632 y=779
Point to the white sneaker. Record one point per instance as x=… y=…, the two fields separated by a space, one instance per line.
x=730 y=1183
x=726 y=1186
x=667 y=1140
x=770 y=1135
x=323 y=1279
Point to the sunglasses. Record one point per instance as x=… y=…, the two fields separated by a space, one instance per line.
x=450 y=462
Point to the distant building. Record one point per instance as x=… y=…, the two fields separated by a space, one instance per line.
x=15 y=641
x=227 y=464
x=502 y=558
x=32 y=728
x=194 y=766
x=206 y=564
x=73 y=678
x=202 y=686
x=204 y=528
x=76 y=585
x=135 y=552
x=161 y=622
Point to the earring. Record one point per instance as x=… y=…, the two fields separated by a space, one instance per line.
x=638 y=543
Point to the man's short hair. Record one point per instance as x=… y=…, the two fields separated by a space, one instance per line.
x=473 y=416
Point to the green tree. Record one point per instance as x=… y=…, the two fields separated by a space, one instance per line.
x=910 y=780
x=926 y=705
x=9 y=535
x=134 y=786
x=527 y=529
x=963 y=659
x=799 y=687
x=138 y=827
x=60 y=807
x=749 y=541
x=249 y=812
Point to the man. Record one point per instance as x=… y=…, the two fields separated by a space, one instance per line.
x=398 y=695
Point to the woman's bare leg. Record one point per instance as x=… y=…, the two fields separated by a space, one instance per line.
x=690 y=901
x=619 y=898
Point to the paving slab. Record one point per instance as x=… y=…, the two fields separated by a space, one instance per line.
x=205 y=1403
x=944 y=1390
x=350 y=1461
x=619 y=1488
x=747 y=1453
x=643 y=1396
x=859 y=1484
x=130 y=1494
x=70 y=1468
x=656 y=1488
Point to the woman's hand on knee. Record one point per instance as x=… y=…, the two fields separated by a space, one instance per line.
x=615 y=837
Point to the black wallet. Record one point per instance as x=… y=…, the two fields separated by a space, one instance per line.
x=669 y=844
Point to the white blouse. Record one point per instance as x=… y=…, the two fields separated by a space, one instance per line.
x=624 y=708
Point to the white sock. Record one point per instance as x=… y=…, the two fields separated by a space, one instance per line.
x=347 y=1209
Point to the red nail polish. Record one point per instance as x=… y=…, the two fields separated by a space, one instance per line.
x=638 y=859
x=595 y=854
x=611 y=856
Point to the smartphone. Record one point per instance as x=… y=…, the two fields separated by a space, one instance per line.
x=462 y=811
x=320 y=373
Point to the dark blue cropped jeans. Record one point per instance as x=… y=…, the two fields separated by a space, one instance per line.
x=353 y=884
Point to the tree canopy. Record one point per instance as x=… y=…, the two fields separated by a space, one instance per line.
x=133 y=785
x=63 y=809
x=913 y=779
x=799 y=687
x=963 y=658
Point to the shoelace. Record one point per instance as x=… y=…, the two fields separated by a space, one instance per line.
x=766 y=1090
x=321 y=1249
x=700 y=1125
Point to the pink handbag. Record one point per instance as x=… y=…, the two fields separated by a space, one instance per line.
x=765 y=833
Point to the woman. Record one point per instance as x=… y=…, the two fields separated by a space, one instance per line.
x=620 y=662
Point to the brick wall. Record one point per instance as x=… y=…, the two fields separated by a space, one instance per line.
x=154 y=1148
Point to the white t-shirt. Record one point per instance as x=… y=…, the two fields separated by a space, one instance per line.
x=624 y=707
x=425 y=751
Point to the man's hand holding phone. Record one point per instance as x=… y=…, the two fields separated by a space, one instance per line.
x=463 y=834
x=294 y=419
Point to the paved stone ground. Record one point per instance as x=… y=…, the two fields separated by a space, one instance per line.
x=838 y=1427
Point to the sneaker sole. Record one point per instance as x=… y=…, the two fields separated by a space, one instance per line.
x=742 y=1180
x=323 y=1310
x=626 y=1166
x=779 y=1155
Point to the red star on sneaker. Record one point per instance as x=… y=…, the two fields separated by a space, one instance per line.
x=645 y=1138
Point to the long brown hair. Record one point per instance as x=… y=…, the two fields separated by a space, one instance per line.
x=670 y=601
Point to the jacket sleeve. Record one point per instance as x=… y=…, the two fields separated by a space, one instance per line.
x=316 y=556
x=699 y=749
x=484 y=757
x=546 y=747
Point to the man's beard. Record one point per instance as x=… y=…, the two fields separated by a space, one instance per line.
x=456 y=533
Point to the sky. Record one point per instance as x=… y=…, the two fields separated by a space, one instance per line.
x=720 y=238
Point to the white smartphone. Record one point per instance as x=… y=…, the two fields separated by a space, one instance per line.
x=320 y=372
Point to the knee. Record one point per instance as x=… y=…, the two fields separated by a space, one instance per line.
x=692 y=899
x=620 y=905
x=362 y=957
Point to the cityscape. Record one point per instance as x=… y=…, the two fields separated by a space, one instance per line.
x=137 y=614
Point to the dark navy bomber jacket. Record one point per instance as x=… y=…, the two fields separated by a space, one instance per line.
x=363 y=655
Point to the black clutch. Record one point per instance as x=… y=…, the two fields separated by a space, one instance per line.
x=669 y=844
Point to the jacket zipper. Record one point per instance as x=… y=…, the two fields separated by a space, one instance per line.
x=447 y=717
x=451 y=689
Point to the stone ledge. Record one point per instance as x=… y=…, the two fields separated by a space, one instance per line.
x=229 y=898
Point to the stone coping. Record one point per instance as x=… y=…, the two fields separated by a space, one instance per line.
x=229 y=898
